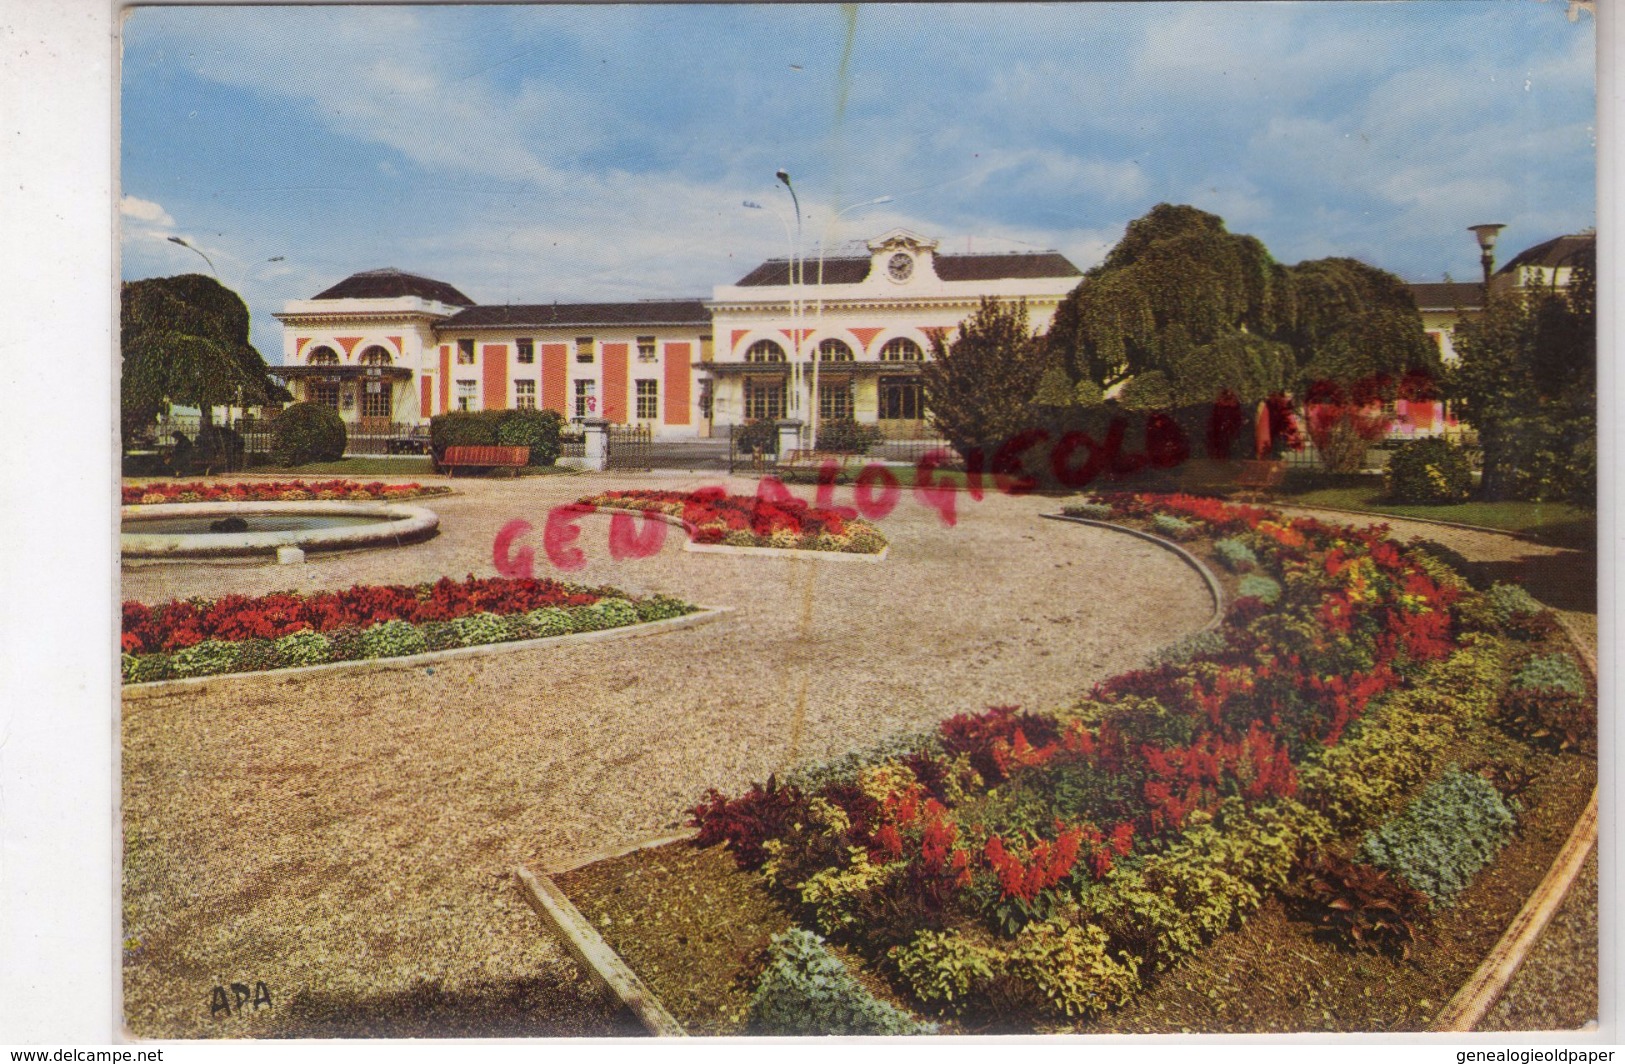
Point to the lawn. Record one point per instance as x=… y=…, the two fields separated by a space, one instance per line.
x=1555 y=523
x=361 y=467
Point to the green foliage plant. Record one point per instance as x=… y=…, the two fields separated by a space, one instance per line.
x=303 y=648
x=846 y=436
x=392 y=639
x=540 y=430
x=1258 y=586
x=1069 y=969
x=1094 y=511
x=147 y=668
x=550 y=621
x=1428 y=472
x=806 y=990
x=307 y=432
x=947 y=970
x=1444 y=837
x=1235 y=555
x=208 y=658
x=1207 y=641
x=1172 y=527
x=477 y=629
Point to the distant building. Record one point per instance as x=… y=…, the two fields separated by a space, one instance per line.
x=386 y=347
x=1446 y=304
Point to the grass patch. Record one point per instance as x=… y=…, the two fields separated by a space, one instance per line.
x=1555 y=523
x=366 y=466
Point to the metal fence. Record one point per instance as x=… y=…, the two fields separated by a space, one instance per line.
x=628 y=446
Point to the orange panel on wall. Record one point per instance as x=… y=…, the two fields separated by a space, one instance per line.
x=865 y=336
x=678 y=357
x=299 y=345
x=348 y=343
x=555 y=374
x=615 y=382
x=445 y=377
x=737 y=334
x=425 y=396
x=496 y=376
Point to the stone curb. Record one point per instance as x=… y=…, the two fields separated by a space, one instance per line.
x=571 y=864
x=1189 y=559
x=158 y=688
x=746 y=552
x=594 y=954
x=397 y=523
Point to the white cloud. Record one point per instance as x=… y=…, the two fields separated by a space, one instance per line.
x=141 y=210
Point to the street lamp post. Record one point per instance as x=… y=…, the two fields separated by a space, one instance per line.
x=184 y=244
x=795 y=288
x=818 y=313
x=790 y=270
x=1486 y=241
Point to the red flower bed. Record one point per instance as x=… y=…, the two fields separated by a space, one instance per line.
x=266 y=491
x=182 y=623
x=712 y=514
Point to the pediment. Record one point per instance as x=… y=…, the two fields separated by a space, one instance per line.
x=901 y=238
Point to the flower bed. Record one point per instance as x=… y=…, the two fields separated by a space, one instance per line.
x=713 y=516
x=272 y=491
x=238 y=633
x=1049 y=865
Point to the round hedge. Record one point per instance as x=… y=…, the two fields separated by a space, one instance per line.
x=307 y=432
x=537 y=429
x=1429 y=471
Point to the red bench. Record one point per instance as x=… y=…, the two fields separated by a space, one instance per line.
x=514 y=458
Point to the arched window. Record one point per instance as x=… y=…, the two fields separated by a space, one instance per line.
x=833 y=350
x=323 y=356
x=764 y=351
x=901 y=349
x=375 y=356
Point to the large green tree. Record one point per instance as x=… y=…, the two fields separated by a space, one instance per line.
x=980 y=385
x=184 y=341
x=1526 y=381
x=1193 y=311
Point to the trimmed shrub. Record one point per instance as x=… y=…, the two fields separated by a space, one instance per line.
x=477 y=629
x=946 y=970
x=208 y=658
x=1235 y=555
x=1428 y=472
x=846 y=436
x=392 y=639
x=146 y=668
x=806 y=990
x=303 y=648
x=549 y=621
x=661 y=607
x=1172 y=527
x=462 y=428
x=1095 y=511
x=1444 y=837
x=540 y=430
x=1259 y=587
x=307 y=432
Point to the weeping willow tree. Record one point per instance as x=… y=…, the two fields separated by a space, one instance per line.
x=184 y=341
x=1183 y=311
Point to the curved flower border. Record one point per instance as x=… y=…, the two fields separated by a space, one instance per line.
x=164 y=492
x=715 y=518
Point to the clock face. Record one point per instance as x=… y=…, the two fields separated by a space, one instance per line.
x=900 y=266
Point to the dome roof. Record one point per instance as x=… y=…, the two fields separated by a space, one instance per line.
x=393 y=284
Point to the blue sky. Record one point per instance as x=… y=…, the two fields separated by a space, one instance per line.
x=529 y=154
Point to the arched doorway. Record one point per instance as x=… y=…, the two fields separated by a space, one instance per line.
x=377 y=398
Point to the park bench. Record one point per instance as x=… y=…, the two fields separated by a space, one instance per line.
x=487 y=457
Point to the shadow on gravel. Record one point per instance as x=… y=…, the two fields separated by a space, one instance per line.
x=517 y=1008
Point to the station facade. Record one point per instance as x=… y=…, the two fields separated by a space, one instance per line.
x=385 y=347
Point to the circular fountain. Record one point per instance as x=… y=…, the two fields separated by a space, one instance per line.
x=237 y=529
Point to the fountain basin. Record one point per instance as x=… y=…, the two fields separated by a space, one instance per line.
x=181 y=530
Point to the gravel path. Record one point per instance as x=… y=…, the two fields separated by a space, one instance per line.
x=348 y=839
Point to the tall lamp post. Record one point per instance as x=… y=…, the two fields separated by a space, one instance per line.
x=1486 y=241
x=790 y=269
x=795 y=285
x=184 y=244
x=818 y=314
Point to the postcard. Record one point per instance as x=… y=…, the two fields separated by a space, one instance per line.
x=982 y=519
